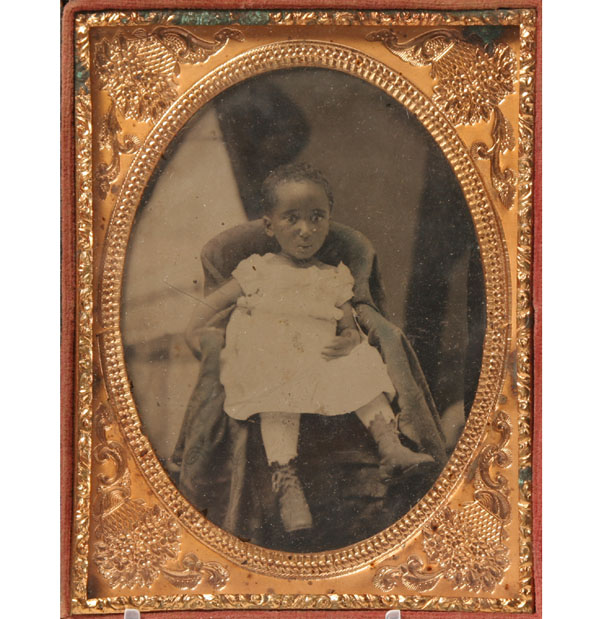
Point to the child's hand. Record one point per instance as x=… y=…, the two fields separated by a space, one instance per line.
x=341 y=345
x=206 y=338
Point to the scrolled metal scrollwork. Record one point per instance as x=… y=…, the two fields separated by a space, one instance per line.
x=525 y=314
x=191 y=571
x=466 y=546
x=135 y=541
x=471 y=83
x=138 y=70
x=106 y=173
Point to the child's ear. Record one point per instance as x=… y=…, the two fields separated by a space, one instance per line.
x=268 y=224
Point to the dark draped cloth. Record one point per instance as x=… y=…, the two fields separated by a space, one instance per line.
x=223 y=467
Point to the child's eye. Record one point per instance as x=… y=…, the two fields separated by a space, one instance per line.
x=292 y=219
x=316 y=218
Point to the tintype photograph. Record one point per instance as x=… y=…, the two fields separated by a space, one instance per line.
x=303 y=310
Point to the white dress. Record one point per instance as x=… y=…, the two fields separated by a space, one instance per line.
x=272 y=359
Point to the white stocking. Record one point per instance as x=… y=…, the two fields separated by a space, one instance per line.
x=280 y=436
x=380 y=405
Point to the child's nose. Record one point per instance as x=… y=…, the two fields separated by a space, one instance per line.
x=303 y=228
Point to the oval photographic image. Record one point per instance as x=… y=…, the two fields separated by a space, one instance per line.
x=303 y=310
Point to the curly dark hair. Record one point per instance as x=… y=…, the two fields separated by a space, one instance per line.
x=292 y=172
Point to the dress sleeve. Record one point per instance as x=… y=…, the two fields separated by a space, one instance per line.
x=248 y=274
x=344 y=284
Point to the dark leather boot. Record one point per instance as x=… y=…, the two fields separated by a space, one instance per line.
x=294 y=510
x=396 y=458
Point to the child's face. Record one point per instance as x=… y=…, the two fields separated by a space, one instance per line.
x=300 y=218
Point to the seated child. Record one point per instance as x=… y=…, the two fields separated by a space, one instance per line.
x=292 y=346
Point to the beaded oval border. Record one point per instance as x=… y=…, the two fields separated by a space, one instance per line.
x=261 y=60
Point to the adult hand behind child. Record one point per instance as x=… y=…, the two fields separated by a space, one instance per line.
x=341 y=345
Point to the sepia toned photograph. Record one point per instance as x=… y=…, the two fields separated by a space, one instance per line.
x=303 y=310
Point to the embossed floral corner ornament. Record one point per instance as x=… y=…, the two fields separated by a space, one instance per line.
x=466 y=546
x=471 y=85
x=136 y=541
x=138 y=70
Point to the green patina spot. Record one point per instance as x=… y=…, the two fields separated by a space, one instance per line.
x=254 y=18
x=81 y=76
x=494 y=17
x=488 y=34
x=202 y=18
x=260 y=18
x=153 y=17
x=524 y=475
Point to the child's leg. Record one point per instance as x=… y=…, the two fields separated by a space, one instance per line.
x=378 y=417
x=280 y=438
x=380 y=406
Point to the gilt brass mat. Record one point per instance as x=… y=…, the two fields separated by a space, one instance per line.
x=140 y=76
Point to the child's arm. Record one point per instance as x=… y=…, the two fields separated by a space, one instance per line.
x=208 y=308
x=348 y=337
